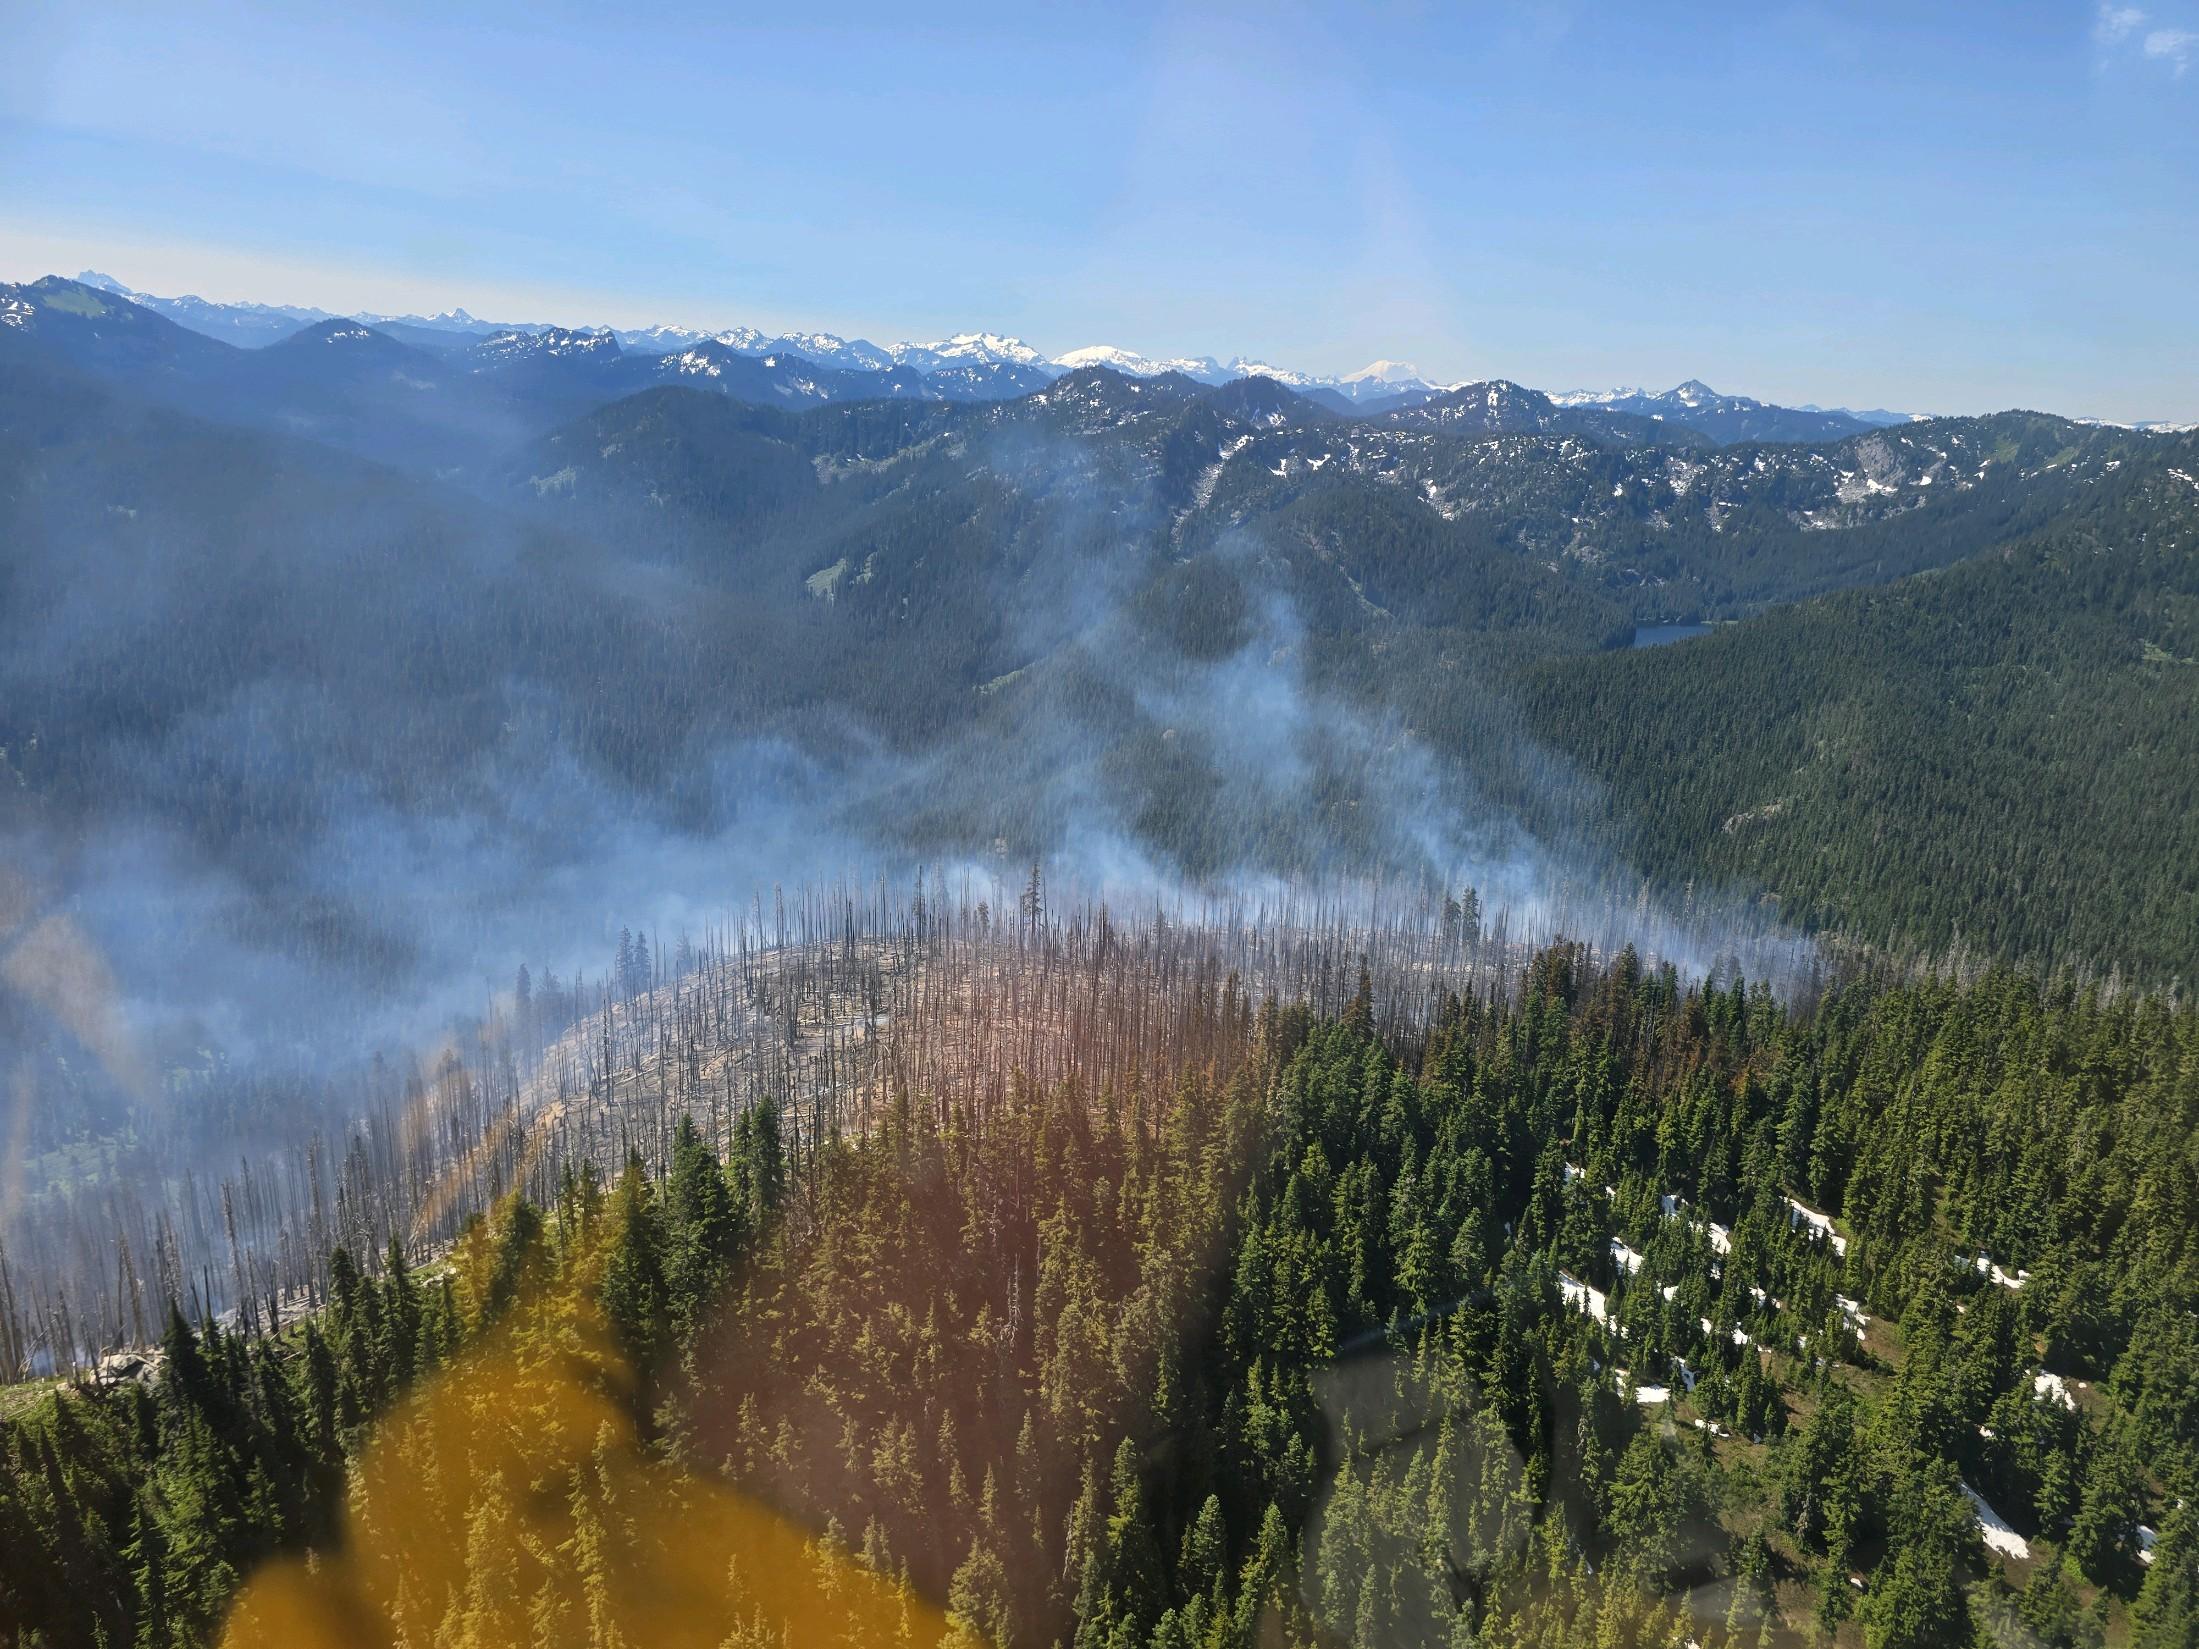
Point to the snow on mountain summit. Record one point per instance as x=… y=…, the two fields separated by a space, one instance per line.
x=1380 y=380
x=830 y=349
x=248 y=325
x=1204 y=368
x=975 y=364
x=1593 y=397
x=500 y=348
x=967 y=349
x=1239 y=367
x=1384 y=372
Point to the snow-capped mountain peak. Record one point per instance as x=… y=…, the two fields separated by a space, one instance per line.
x=450 y=320
x=1379 y=380
x=830 y=349
x=978 y=364
x=1693 y=395
x=1204 y=368
x=671 y=340
x=1384 y=372
x=1239 y=367
x=657 y=340
x=557 y=341
x=1726 y=417
x=967 y=349
x=245 y=324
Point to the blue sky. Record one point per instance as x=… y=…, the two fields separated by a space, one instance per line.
x=1938 y=207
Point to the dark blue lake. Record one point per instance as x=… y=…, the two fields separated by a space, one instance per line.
x=1656 y=635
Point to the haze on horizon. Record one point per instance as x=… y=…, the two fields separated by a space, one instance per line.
x=1985 y=208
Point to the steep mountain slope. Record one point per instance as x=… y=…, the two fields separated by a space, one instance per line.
x=2003 y=755
x=565 y=372
x=434 y=339
x=774 y=378
x=355 y=387
x=1240 y=523
x=1728 y=418
x=972 y=349
x=984 y=380
x=1131 y=364
x=1229 y=624
x=338 y=381
x=171 y=575
x=1661 y=533
x=57 y=322
x=1032 y=601
x=247 y=325
x=557 y=373
x=1497 y=407
x=1703 y=530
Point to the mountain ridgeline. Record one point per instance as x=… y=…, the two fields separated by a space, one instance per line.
x=1520 y=1136
x=1225 y=626
x=977 y=364
x=313 y=627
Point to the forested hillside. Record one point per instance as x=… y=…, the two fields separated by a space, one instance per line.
x=270 y=690
x=2003 y=757
x=802 y=886
x=348 y=682
x=1617 y=1311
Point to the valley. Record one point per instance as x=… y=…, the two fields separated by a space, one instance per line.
x=1088 y=989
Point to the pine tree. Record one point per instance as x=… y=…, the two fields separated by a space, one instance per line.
x=1033 y=899
x=318 y=1373
x=184 y=1371
x=1647 y=1505
x=703 y=1224
x=762 y=1162
x=1359 y=1016
x=519 y=1262
x=1132 y=1562
x=2166 y=1614
x=2103 y=1542
x=634 y=1295
x=147 y=1554
x=980 y=1614
x=1917 y=1602
x=400 y=1327
x=1205 y=1559
x=1269 y=1572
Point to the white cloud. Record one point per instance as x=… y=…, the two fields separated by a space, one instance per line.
x=2174 y=46
x=2115 y=26
x=2116 y=22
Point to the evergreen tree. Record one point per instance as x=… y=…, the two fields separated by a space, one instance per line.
x=519 y=1263
x=635 y=1297
x=2166 y=1613
x=703 y=1224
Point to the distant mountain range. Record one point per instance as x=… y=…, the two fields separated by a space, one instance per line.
x=450 y=389
x=592 y=605
x=987 y=365
x=447 y=389
x=248 y=325
x=1728 y=418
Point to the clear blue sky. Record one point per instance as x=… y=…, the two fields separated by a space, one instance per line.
x=1938 y=207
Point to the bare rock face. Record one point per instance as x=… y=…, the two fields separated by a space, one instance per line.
x=119 y=1368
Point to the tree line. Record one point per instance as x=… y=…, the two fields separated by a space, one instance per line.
x=1608 y=1309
